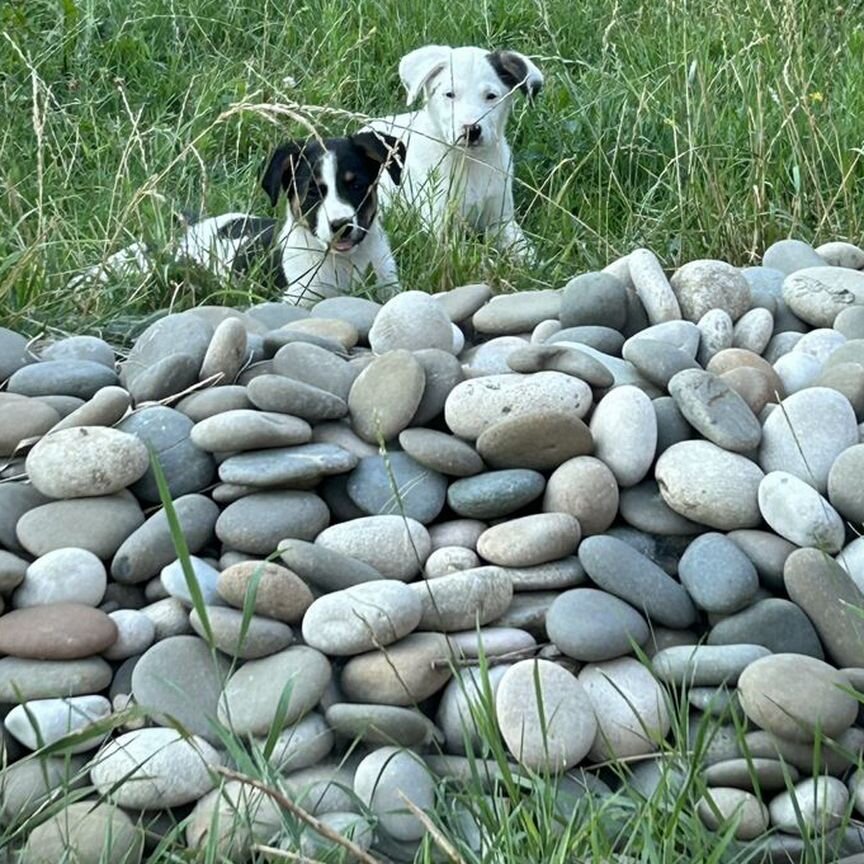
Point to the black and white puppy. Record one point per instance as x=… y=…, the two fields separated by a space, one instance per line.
x=330 y=236
x=458 y=160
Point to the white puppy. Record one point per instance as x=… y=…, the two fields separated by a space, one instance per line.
x=330 y=237
x=458 y=162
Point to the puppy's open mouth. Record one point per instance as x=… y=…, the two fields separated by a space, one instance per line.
x=344 y=244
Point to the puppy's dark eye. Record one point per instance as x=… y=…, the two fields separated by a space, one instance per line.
x=449 y=95
x=491 y=97
x=322 y=188
x=357 y=185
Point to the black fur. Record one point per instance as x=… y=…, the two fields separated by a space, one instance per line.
x=260 y=253
x=513 y=72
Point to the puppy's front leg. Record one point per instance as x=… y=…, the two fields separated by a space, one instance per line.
x=384 y=267
x=511 y=239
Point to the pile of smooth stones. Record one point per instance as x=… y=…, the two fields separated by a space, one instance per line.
x=569 y=509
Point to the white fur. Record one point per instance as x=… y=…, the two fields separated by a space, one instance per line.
x=313 y=269
x=442 y=175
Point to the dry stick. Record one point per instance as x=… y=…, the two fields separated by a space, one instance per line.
x=295 y=810
x=491 y=659
x=437 y=837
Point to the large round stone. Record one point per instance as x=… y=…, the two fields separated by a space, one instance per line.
x=796 y=511
x=545 y=716
x=274 y=591
x=152 y=769
x=62 y=576
x=411 y=320
x=722 y=805
x=315 y=366
x=22 y=680
x=362 y=618
x=816 y=804
x=179 y=680
x=630 y=706
x=618 y=568
x=717 y=574
x=56 y=631
x=287 y=396
x=386 y=395
x=707 y=484
x=397 y=548
x=591 y=625
x=703 y=285
x=475 y=405
x=797 y=697
x=464 y=600
x=818 y=295
x=541 y=441
x=287 y=685
x=494 y=494
x=585 y=488
x=789 y=255
x=624 y=427
x=807 y=433
x=243 y=429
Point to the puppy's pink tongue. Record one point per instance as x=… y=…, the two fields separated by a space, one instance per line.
x=342 y=245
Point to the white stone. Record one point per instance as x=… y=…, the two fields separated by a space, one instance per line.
x=43 y=722
x=624 y=426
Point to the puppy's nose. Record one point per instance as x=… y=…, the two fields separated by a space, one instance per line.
x=472 y=133
x=339 y=227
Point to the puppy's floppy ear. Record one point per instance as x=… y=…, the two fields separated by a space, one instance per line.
x=516 y=71
x=416 y=68
x=384 y=149
x=280 y=171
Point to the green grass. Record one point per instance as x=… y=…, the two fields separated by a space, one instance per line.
x=696 y=129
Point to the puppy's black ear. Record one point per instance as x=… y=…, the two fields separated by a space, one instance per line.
x=517 y=72
x=281 y=170
x=384 y=149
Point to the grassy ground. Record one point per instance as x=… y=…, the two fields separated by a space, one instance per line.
x=697 y=129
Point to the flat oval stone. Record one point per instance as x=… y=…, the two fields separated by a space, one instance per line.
x=653 y=287
x=620 y=569
x=411 y=320
x=440 y=452
x=762 y=774
x=179 y=680
x=658 y=361
x=384 y=779
x=585 y=488
x=779 y=625
x=705 y=665
x=202 y=404
x=816 y=804
x=541 y=441
x=560 y=358
x=286 y=467
x=789 y=255
x=592 y=626
x=22 y=680
x=590 y=340
x=799 y=513
x=251 y=699
x=408 y=672
x=243 y=429
x=316 y=367
x=173 y=579
x=450 y=559
x=767 y=551
x=715 y=410
x=844 y=488
x=105 y=408
x=386 y=395
x=135 y=634
x=397 y=548
x=226 y=353
x=57 y=631
x=381 y=724
x=278 y=592
x=256 y=523
x=807 y=435
x=495 y=494
x=151 y=769
x=818 y=295
x=642 y=507
x=545 y=716
x=709 y=485
x=150 y=548
x=362 y=618
x=397 y=484
x=838 y=253
x=594 y=298
x=753 y=330
x=286 y=396
x=517 y=313
x=721 y=806
x=464 y=600
x=831 y=599
x=751 y=385
x=475 y=405
x=335 y=329
x=97 y=832
x=43 y=722
x=81 y=378
x=530 y=540
x=462 y=302
x=62 y=576
x=357 y=311
x=717 y=574
x=716 y=334
x=23 y=420
x=624 y=427
x=166 y=432
x=234 y=636
x=165 y=379
x=735 y=358
x=324 y=568
x=703 y=285
x=794 y=696
x=630 y=706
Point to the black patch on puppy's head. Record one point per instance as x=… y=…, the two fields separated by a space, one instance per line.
x=513 y=72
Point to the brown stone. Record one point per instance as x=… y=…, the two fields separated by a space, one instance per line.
x=752 y=385
x=734 y=358
x=280 y=594
x=56 y=631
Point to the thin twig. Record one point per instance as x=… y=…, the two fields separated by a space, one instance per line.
x=437 y=837
x=295 y=810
